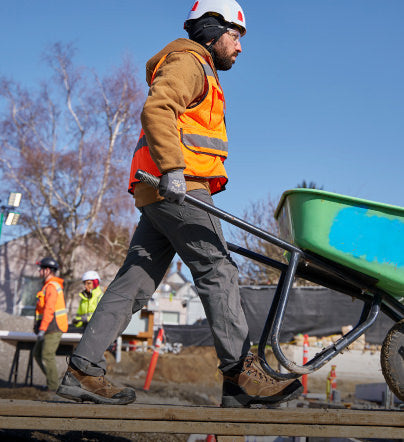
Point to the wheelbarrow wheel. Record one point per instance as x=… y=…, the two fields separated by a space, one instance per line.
x=392 y=359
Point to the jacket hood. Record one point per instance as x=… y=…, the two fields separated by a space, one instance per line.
x=181 y=44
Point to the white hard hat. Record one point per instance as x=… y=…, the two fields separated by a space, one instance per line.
x=230 y=10
x=90 y=275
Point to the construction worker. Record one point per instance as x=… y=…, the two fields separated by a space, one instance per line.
x=90 y=298
x=50 y=320
x=183 y=141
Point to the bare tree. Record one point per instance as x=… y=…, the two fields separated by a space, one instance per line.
x=260 y=214
x=310 y=185
x=67 y=146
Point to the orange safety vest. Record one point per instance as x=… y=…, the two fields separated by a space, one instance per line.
x=201 y=133
x=51 y=320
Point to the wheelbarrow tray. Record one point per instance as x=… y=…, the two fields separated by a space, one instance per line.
x=363 y=235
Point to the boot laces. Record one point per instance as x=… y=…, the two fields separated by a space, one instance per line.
x=104 y=382
x=254 y=369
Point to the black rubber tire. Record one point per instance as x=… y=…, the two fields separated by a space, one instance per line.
x=392 y=359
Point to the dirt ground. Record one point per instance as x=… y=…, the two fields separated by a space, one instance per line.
x=190 y=377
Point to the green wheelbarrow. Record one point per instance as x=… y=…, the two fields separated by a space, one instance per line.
x=350 y=245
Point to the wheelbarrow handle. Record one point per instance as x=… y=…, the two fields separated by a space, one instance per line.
x=153 y=181
x=147 y=178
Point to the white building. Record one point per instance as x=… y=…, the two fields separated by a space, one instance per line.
x=176 y=301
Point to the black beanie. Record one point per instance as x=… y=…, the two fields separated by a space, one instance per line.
x=206 y=28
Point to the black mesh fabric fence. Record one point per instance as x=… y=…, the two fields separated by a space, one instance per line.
x=189 y=335
x=312 y=310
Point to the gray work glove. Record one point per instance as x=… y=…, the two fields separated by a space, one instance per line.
x=84 y=318
x=41 y=335
x=172 y=186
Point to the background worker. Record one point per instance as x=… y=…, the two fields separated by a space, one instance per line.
x=50 y=320
x=90 y=298
x=183 y=141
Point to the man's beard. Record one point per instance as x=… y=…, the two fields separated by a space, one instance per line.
x=222 y=61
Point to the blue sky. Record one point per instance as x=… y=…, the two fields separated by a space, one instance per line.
x=317 y=93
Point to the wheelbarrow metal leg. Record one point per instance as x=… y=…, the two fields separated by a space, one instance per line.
x=268 y=330
x=368 y=317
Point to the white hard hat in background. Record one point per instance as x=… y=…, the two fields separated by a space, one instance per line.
x=90 y=275
x=230 y=10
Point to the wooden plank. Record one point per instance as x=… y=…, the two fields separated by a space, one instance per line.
x=181 y=427
x=144 y=418
x=203 y=414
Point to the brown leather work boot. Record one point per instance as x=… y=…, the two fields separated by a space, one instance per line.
x=80 y=387
x=252 y=385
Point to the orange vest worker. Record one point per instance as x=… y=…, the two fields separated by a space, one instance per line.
x=202 y=136
x=50 y=312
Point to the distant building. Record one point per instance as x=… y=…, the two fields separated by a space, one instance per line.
x=176 y=301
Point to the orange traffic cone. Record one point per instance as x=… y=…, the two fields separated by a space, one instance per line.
x=331 y=383
x=153 y=360
x=333 y=377
x=305 y=359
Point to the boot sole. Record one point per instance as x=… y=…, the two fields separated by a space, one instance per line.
x=78 y=394
x=244 y=400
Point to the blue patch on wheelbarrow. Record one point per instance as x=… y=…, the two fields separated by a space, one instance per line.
x=363 y=235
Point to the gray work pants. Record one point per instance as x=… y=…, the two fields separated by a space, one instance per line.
x=164 y=229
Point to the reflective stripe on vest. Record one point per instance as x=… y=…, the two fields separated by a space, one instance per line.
x=202 y=136
x=215 y=144
x=57 y=313
x=208 y=143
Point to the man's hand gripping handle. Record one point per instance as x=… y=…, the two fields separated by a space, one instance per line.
x=171 y=185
